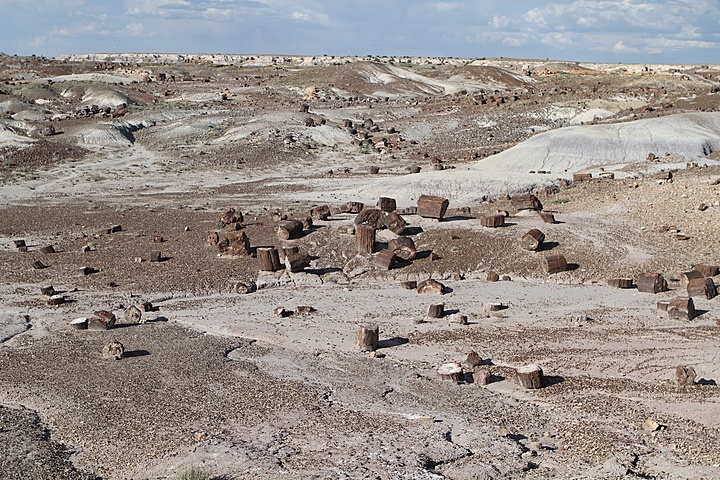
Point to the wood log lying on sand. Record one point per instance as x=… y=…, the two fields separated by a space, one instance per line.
x=530 y=376
x=532 y=240
x=289 y=229
x=367 y=336
x=651 y=282
x=429 y=206
x=404 y=247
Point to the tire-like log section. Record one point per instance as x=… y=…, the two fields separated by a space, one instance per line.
x=651 y=282
x=289 y=229
x=532 y=240
x=432 y=207
x=702 y=287
x=530 y=376
x=451 y=371
x=436 y=310
x=269 y=259
x=364 y=238
x=554 y=263
x=404 y=247
x=367 y=337
x=493 y=221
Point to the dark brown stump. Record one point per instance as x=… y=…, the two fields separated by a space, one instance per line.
x=269 y=259
x=213 y=239
x=686 y=277
x=373 y=217
x=47 y=249
x=352 y=207
x=532 y=240
x=431 y=286
x=554 y=263
x=101 y=320
x=530 y=376
x=155 y=256
x=526 y=202
x=432 y=207
x=547 y=217
x=707 y=270
x=651 y=282
x=297 y=262
x=451 y=371
x=386 y=204
x=364 y=238
x=482 y=376
x=436 y=310
x=386 y=259
x=682 y=308
x=685 y=375
x=374 y=170
x=493 y=221
x=473 y=359
x=702 y=287
x=321 y=212
x=404 y=247
x=492 y=276
x=582 y=177
x=288 y=229
x=395 y=223
x=620 y=282
x=367 y=336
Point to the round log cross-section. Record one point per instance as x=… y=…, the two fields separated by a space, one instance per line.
x=288 y=229
x=268 y=258
x=532 y=240
x=530 y=376
x=451 y=371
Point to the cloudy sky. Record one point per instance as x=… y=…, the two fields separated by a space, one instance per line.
x=628 y=31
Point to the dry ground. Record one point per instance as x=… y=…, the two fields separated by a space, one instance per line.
x=215 y=379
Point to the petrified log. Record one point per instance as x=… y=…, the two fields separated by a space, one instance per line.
x=707 y=269
x=651 y=282
x=547 y=217
x=49 y=290
x=307 y=222
x=436 y=310
x=243 y=288
x=373 y=217
x=346 y=229
x=554 y=263
x=492 y=276
x=88 y=270
x=620 y=282
x=79 y=323
x=230 y=216
x=386 y=259
x=482 y=376
x=685 y=375
x=269 y=259
x=386 y=204
x=409 y=285
x=146 y=307
x=101 y=320
x=213 y=239
x=532 y=240
x=702 y=287
x=530 y=376
x=686 y=277
x=47 y=249
x=451 y=371
x=287 y=229
x=114 y=229
x=19 y=243
x=321 y=212
x=365 y=238
x=113 y=350
x=38 y=265
x=458 y=318
x=404 y=247
x=282 y=312
x=374 y=170
x=681 y=307
x=582 y=177
x=526 y=202
x=304 y=309
x=155 y=256
x=493 y=221
x=431 y=286
x=473 y=359
x=395 y=223
x=432 y=207
x=133 y=315
x=367 y=337
x=411 y=210
x=55 y=300
x=414 y=169
x=352 y=207
x=290 y=250
x=663 y=175
x=297 y=262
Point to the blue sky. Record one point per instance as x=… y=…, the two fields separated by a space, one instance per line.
x=628 y=31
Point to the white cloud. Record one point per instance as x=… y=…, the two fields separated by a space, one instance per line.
x=620 y=47
x=447 y=6
x=557 y=39
x=499 y=21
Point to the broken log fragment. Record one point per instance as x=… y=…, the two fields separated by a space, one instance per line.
x=409 y=285
x=114 y=229
x=289 y=229
x=55 y=300
x=681 y=307
x=386 y=204
x=436 y=310
x=432 y=207
x=19 y=243
x=352 y=207
x=492 y=276
x=554 y=263
x=532 y=240
x=651 y=282
x=702 y=287
x=79 y=323
x=113 y=350
x=686 y=277
x=547 y=217
x=386 y=259
x=101 y=320
x=367 y=337
x=297 y=262
x=282 y=312
x=530 y=376
x=321 y=212
x=291 y=250
x=620 y=282
x=269 y=259
x=47 y=249
x=213 y=239
x=431 y=286
x=404 y=247
x=395 y=223
x=482 y=376
x=146 y=307
x=493 y=221
x=707 y=269
x=451 y=371
x=526 y=202
x=373 y=217
x=364 y=238
x=473 y=359
x=49 y=290
x=304 y=309
x=582 y=177
x=374 y=170
x=230 y=216
x=155 y=256
x=38 y=265
x=685 y=376
x=307 y=222
x=133 y=315
x=458 y=318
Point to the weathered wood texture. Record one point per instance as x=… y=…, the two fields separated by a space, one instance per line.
x=493 y=221
x=526 y=202
x=297 y=262
x=651 y=282
x=431 y=286
x=681 y=307
x=352 y=207
x=620 y=282
x=554 y=263
x=386 y=259
x=707 y=269
x=582 y=177
x=530 y=376
x=436 y=310
x=702 y=287
x=432 y=207
x=492 y=276
x=686 y=277
x=452 y=371
x=268 y=259
x=474 y=359
x=101 y=320
x=404 y=247
x=288 y=229
x=547 y=217
x=373 y=217
x=395 y=223
x=685 y=375
x=365 y=238
x=321 y=212
x=367 y=337
x=532 y=240
x=386 y=204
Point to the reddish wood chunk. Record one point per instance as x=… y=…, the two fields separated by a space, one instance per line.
x=364 y=238
x=373 y=217
x=431 y=286
x=367 y=337
x=304 y=309
x=530 y=376
x=620 y=282
x=651 y=282
x=554 y=263
x=492 y=276
x=288 y=229
x=386 y=259
x=229 y=216
x=493 y=221
x=395 y=223
x=404 y=247
x=685 y=375
x=707 y=269
x=482 y=376
x=702 y=287
x=685 y=277
x=526 y=202
x=681 y=307
x=386 y=204
x=297 y=262
x=532 y=240
x=473 y=359
x=432 y=207
x=582 y=177
x=269 y=259
x=101 y=320
x=547 y=217
x=436 y=310
x=213 y=239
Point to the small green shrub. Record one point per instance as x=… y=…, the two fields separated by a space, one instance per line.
x=194 y=473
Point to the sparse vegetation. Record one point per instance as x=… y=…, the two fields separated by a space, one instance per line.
x=194 y=472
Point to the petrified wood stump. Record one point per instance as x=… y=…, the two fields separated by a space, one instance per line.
x=133 y=315
x=482 y=376
x=681 y=307
x=404 y=247
x=395 y=223
x=493 y=221
x=288 y=229
x=685 y=375
x=651 y=282
x=451 y=371
x=432 y=207
x=547 y=217
x=620 y=282
x=526 y=202
x=297 y=262
x=532 y=240
x=431 y=286
x=702 y=287
x=364 y=238
x=436 y=310
x=707 y=269
x=530 y=376
x=113 y=350
x=686 y=277
x=386 y=259
x=101 y=320
x=367 y=337
x=373 y=217
x=554 y=263
x=268 y=259
x=386 y=204
x=473 y=359
x=582 y=177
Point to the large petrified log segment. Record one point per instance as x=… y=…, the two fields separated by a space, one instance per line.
x=651 y=282
x=386 y=259
x=686 y=277
x=365 y=238
x=373 y=217
x=101 y=320
x=404 y=247
x=526 y=202
x=297 y=262
x=554 y=263
x=230 y=216
x=269 y=259
x=432 y=207
x=289 y=229
x=395 y=223
x=386 y=204
x=532 y=240
x=530 y=376
x=451 y=371
x=367 y=337
x=431 y=286
x=493 y=221
x=113 y=350
x=436 y=310
x=681 y=307
x=620 y=282
x=547 y=217
x=707 y=270
x=702 y=287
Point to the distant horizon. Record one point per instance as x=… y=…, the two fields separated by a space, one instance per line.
x=612 y=31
